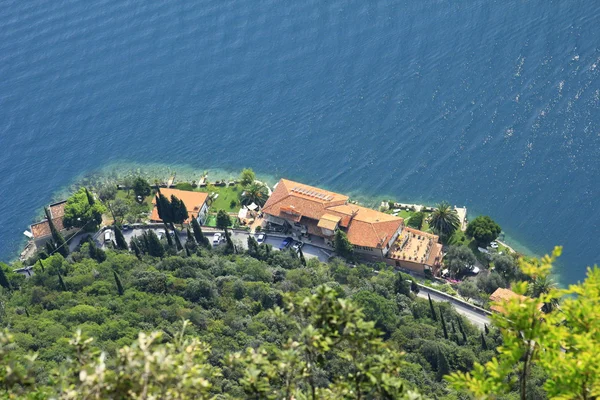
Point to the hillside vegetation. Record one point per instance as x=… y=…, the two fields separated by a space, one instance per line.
x=264 y=325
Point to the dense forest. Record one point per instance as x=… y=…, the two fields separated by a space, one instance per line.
x=225 y=323
x=229 y=300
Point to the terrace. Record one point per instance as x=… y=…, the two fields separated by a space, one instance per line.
x=414 y=246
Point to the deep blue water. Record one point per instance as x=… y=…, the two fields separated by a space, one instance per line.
x=490 y=104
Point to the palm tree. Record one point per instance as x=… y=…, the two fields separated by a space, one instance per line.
x=444 y=220
x=255 y=193
x=543 y=285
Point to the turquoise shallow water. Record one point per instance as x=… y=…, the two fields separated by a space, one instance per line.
x=493 y=105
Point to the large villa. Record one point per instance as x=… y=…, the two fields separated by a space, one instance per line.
x=376 y=236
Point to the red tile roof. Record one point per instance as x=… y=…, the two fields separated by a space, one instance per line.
x=364 y=226
x=57 y=212
x=193 y=202
x=503 y=295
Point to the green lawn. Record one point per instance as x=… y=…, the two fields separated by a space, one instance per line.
x=122 y=194
x=226 y=194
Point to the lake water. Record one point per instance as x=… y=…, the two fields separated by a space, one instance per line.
x=490 y=104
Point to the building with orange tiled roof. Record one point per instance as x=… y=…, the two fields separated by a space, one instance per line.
x=503 y=295
x=40 y=231
x=308 y=210
x=196 y=204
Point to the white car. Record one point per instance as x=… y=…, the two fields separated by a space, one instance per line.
x=260 y=239
x=494 y=245
x=160 y=234
x=297 y=245
x=474 y=270
x=217 y=237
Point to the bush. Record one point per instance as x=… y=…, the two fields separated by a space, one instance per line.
x=184 y=186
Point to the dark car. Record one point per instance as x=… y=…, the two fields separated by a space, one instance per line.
x=286 y=242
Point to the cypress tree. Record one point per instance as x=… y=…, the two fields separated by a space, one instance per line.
x=96 y=253
x=487 y=330
x=121 y=242
x=177 y=238
x=42 y=265
x=136 y=249
x=155 y=247
x=164 y=209
x=443 y=324
x=50 y=248
x=301 y=255
x=190 y=236
x=27 y=312
x=443 y=368
x=198 y=234
x=483 y=342
x=59 y=240
x=453 y=327
x=3 y=279
x=187 y=252
x=178 y=210
x=462 y=331
x=431 y=308
x=414 y=287
x=119 y=285
x=90 y=198
x=230 y=248
x=169 y=238
x=62 y=283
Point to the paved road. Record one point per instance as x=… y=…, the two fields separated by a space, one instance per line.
x=240 y=239
x=478 y=318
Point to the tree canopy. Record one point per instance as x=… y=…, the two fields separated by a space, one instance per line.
x=80 y=213
x=484 y=230
x=459 y=259
x=141 y=187
x=444 y=220
x=247 y=177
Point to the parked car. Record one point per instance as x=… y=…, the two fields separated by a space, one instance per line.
x=285 y=243
x=107 y=236
x=494 y=245
x=297 y=245
x=473 y=269
x=160 y=234
x=260 y=239
x=126 y=227
x=217 y=237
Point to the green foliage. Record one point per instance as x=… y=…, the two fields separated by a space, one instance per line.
x=198 y=234
x=247 y=177
x=458 y=259
x=120 y=289
x=255 y=193
x=223 y=220
x=431 y=308
x=416 y=220
x=141 y=187
x=342 y=245
x=563 y=342
x=484 y=230
x=468 y=290
x=444 y=220
x=120 y=239
x=79 y=213
x=3 y=278
x=234 y=302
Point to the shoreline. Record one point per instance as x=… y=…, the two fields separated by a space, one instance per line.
x=186 y=173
